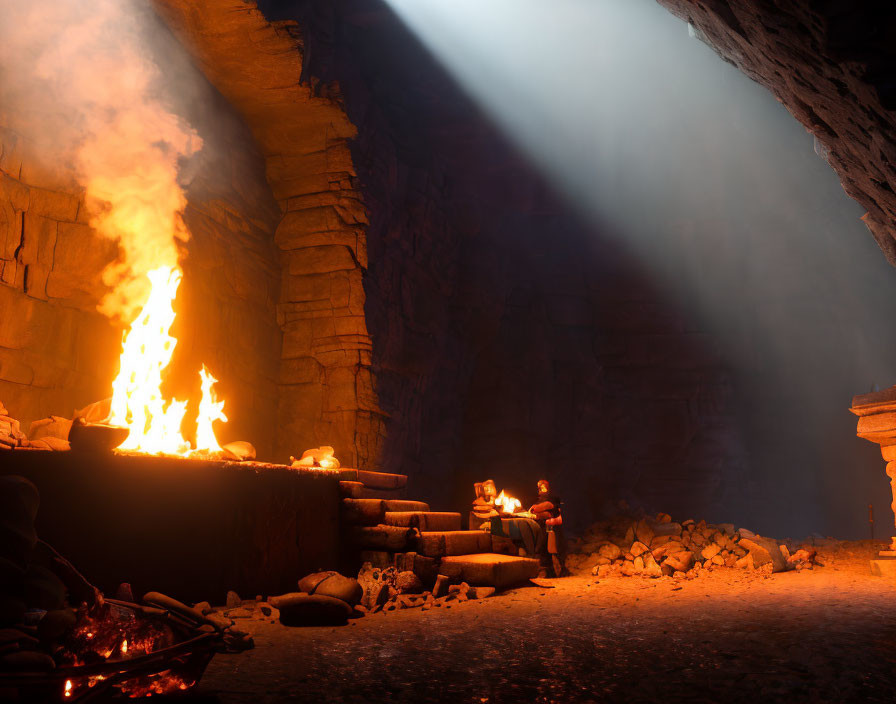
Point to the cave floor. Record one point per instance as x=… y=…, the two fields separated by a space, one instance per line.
x=823 y=635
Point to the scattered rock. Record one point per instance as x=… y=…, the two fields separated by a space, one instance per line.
x=408 y=583
x=242 y=450
x=299 y=609
x=334 y=585
x=638 y=548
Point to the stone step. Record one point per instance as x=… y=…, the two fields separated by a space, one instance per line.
x=382 y=480
x=403 y=505
x=365 y=512
x=389 y=494
x=453 y=542
x=424 y=520
x=382 y=537
x=489 y=569
x=357 y=490
x=374 y=480
x=370 y=512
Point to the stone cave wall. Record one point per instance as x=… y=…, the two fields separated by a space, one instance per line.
x=510 y=340
x=58 y=354
x=325 y=390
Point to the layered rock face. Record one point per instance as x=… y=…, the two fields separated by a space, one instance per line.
x=832 y=65
x=325 y=388
x=57 y=353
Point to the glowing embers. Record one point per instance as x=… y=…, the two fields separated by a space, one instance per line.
x=154 y=423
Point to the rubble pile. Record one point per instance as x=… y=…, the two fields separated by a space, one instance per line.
x=657 y=547
x=391 y=589
x=45 y=434
x=330 y=599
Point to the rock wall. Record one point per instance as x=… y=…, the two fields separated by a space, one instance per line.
x=831 y=64
x=325 y=390
x=57 y=353
x=510 y=340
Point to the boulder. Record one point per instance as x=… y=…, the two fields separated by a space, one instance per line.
x=408 y=583
x=311 y=610
x=651 y=568
x=764 y=551
x=638 y=548
x=610 y=551
x=673 y=529
x=334 y=585
x=241 y=449
x=680 y=561
x=309 y=582
x=710 y=551
x=644 y=532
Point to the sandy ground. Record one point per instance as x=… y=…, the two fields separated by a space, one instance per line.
x=826 y=635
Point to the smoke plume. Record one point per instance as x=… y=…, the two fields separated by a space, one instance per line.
x=80 y=84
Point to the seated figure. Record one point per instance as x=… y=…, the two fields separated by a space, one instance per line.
x=484 y=503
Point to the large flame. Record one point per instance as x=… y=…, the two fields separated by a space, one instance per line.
x=137 y=401
x=210 y=410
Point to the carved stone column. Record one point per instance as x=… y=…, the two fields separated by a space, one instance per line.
x=877 y=423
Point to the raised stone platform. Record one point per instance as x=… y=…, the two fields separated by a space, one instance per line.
x=193 y=529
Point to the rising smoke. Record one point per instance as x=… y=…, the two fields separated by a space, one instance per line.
x=82 y=86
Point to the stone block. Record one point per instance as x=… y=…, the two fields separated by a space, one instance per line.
x=458 y=542
x=368 y=512
x=424 y=520
x=763 y=551
x=382 y=537
x=490 y=570
x=884 y=567
x=403 y=505
x=53 y=204
x=79 y=259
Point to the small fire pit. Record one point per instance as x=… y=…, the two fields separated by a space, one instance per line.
x=127 y=649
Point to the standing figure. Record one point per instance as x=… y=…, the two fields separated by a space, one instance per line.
x=547 y=513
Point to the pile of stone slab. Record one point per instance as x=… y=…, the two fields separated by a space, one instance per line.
x=45 y=434
x=386 y=531
x=657 y=547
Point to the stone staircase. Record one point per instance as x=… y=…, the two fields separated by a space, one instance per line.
x=384 y=528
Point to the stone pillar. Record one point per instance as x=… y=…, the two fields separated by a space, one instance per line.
x=877 y=423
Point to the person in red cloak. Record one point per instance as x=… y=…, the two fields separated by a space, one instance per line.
x=547 y=513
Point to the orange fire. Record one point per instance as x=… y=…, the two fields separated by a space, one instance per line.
x=137 y=401
x=507 y=503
